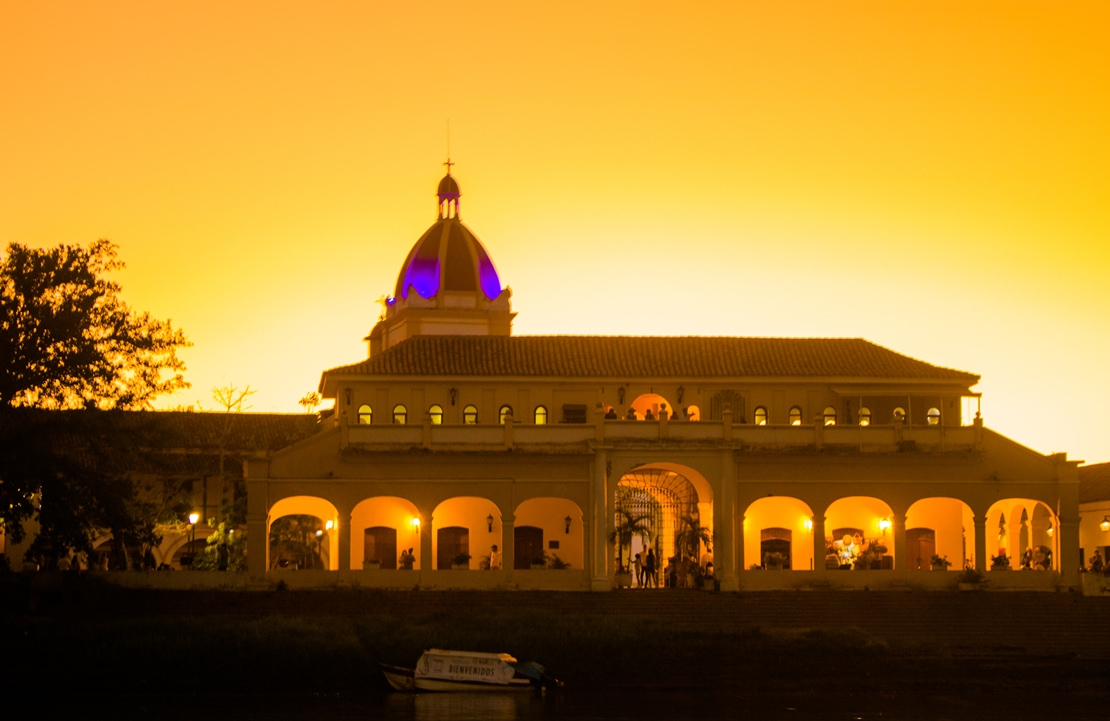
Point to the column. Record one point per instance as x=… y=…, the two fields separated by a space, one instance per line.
x=724 y=524
x=819 y=546
x=981 y=542
x=427 y=562
x=258 y=545
x=898 y=535
x=343 y=518
x=508 y=540
x=1068 y=545
x=599 y=517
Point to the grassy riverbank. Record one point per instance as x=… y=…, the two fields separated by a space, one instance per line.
x=270 y=643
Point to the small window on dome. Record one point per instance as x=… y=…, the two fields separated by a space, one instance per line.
x=865 y=416
x=541 y=416
x=435 y=413
x=400 y=414
x=470 y=415
x=795 y=416
x=365 y=415
x=505 y=414
x=830 y=416
x=933 y=417
x=760 y=416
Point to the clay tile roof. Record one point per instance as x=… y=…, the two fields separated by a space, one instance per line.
x=1094 y=483
x=647 y=356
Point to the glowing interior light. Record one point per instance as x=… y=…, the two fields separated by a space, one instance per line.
x=329 y=525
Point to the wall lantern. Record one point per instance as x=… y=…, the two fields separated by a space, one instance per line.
x=567 y=521
x=884 y=525
x=329 y=525
x=319 y=533
x=681 y=393
x=1105 y=525
x=620 y=395
x=415 y=523
x=454 y=394
x=808 y=524
x=347 y=393
x=1049 y=531
x=489 y=522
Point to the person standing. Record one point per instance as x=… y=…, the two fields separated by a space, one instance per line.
x=652 y=578
x=639 y=571
x=494 y=558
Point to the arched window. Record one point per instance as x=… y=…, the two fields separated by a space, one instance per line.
x=541 y=416
x=436 y=414
x=933 y=417
x=760 y=416
x=795 y=416
x=505 y=414
x=470 y=415
x=865 y=416
x=365 y=415
x=899 y=415
x=400 y=414
x=830 y=416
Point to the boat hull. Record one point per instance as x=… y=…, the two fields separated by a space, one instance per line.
x=404 y=679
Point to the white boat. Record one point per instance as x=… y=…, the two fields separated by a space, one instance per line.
x=467 y=671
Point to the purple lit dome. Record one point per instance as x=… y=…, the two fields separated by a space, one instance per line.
x=448 y=257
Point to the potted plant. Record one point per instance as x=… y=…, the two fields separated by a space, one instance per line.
x=557 y=563
x=539 y=563
x=970 y=579
x=1000 y=562
x=775 y=561
x=629 y=525
x=461 y=562
x=939 y=563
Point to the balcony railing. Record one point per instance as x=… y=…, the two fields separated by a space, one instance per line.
x=570 y=437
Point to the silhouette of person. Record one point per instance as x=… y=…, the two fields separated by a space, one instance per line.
x=494 y=559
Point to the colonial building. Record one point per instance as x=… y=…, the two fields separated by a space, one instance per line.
x=816 y=455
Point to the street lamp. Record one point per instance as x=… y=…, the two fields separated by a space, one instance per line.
x=193 y=518
x=1105 y=525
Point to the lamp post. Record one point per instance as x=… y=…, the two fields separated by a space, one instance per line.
x=193 y=518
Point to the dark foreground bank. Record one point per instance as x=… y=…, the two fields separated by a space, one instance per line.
x=325 y=645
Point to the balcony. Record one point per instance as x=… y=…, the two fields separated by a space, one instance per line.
x=617 y=433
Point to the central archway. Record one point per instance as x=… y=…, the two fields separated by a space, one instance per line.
x=660 y=508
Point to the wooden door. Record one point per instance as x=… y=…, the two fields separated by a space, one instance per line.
x=380 y=544
x=452 y=541
x=527 y=545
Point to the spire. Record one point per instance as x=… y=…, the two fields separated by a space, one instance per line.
x=448 y=193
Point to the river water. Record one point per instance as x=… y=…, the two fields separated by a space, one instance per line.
x=623 y=705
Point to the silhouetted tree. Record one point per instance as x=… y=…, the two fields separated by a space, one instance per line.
x=68 y=341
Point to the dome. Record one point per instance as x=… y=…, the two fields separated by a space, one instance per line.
x=448 y=257
x=448 y=186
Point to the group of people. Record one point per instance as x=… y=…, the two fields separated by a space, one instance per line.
x=1097 y=565
x=646 y=567
x=649 y=415
x=407 y=560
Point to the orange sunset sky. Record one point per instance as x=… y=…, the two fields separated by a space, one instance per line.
x=932 y=176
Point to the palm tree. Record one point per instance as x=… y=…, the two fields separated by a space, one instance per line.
x=692 y=536
x=629 y=525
